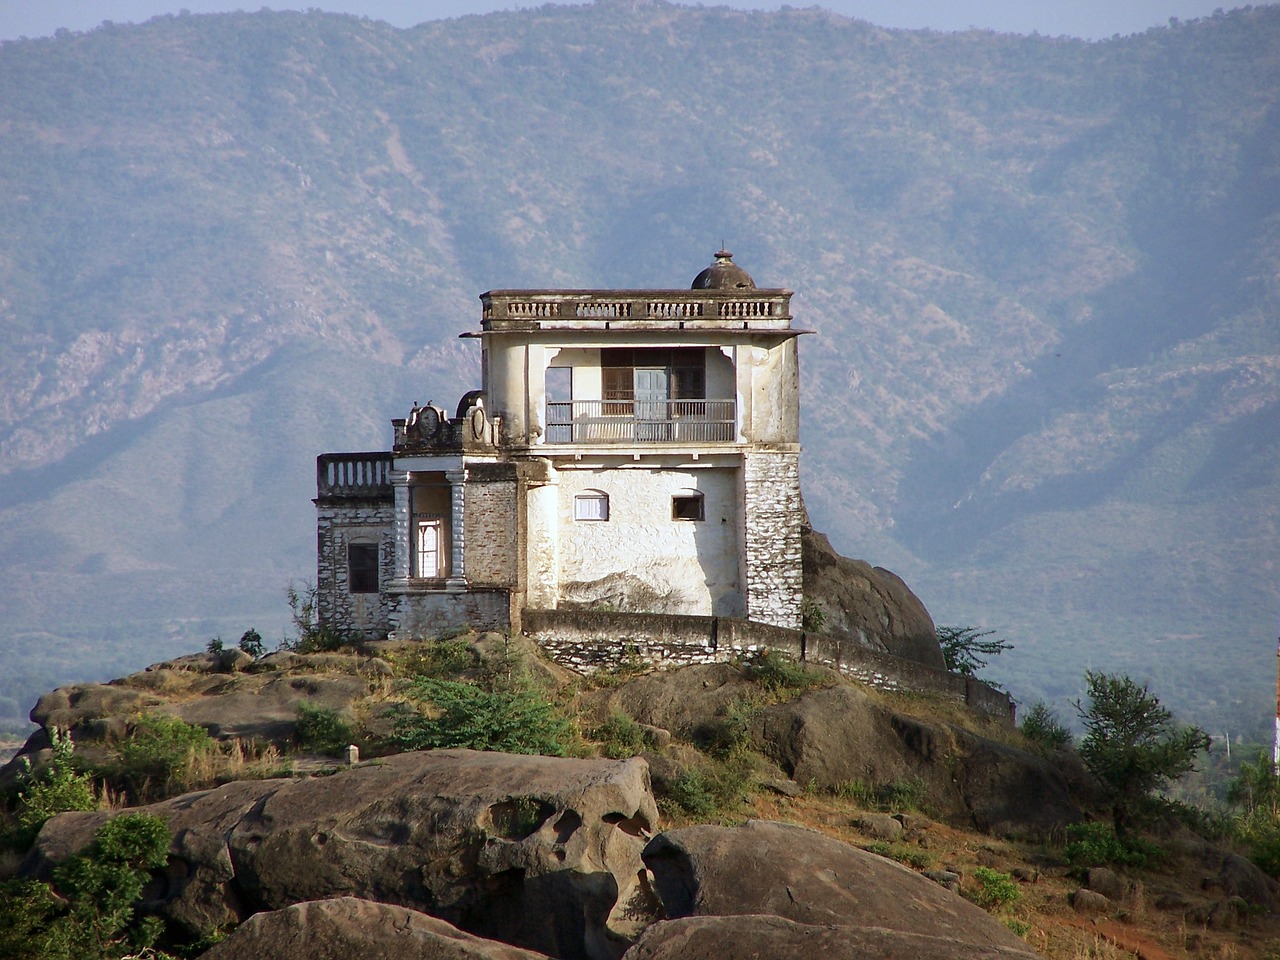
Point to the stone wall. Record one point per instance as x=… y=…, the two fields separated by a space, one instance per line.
x=430 y=613
x=772 y=514
x=491 y=522
x=339 y=523
x=589 y=640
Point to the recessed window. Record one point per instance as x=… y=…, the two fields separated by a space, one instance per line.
x=688 y=506
x=591 y=505
x=362 y=568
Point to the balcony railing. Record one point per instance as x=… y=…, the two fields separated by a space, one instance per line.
x=641 y=421
x=353 y=475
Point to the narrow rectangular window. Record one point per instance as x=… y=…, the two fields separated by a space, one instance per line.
x=591 y=506
x=362 y=568
x=427 y=554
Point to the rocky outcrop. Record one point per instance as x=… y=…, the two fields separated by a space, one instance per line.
x=350 y=927
x=839 y=733
x=841 y=895
x=869 y=603
x=484 y=841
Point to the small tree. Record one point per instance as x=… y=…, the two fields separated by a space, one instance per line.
x=965 y=649
x=1132 y=745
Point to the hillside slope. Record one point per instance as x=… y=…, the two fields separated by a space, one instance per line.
x=1042 y=274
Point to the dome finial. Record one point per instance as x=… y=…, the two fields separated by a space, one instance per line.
x=723 y=274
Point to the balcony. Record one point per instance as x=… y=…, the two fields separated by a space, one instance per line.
x=641 y=421
x=353 y=475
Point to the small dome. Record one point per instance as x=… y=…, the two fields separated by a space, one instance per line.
x=724 y=274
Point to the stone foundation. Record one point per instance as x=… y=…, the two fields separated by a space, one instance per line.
x=587 y=641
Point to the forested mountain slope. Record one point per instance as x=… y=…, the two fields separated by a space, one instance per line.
x=1043 y=274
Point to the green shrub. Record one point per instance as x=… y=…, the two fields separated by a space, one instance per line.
x=160 y=750
x=731 y=730
x=707 y=792
x=1043 y=728
x=620 y=736
x=87 y=913
x=453 y=714
x=57 y=788
x=322 y=729
x=996 y=890
x=1095 y=844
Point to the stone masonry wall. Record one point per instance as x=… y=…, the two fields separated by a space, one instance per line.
x=587 y=641
x=772 y=513
x=338 y=524
x=492 y=525
x=428 y=614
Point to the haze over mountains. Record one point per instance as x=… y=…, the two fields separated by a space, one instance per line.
x=1044 y=385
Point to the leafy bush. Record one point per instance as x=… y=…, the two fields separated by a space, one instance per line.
x=731 y=730
x=1043 y=728
x=620 y=736
x=161 y=750
x=705 y=792
x=57 y=788
x=996 y=890
x=453 y=714
x=322 y=728
x=1095 y=844
x=87 y=913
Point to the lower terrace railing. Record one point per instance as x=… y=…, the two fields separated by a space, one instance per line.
x=641 y=421
x=353 y=475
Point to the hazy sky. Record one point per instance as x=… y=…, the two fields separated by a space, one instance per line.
x=1081 y=18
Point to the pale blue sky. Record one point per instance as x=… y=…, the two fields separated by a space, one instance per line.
x=1082 y=18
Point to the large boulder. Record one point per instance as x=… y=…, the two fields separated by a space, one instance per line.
x=781 y=870
x=347 y=928
x=840 y=733
x=869 y=603
x=756 y=937
x=540 y=852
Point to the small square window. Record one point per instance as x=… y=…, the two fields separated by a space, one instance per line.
x=688 y=506
x=362 y=568
x=591 y=506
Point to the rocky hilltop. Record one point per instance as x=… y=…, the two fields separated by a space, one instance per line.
x=725 y=810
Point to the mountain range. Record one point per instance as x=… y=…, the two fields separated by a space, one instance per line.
x=1042 y=274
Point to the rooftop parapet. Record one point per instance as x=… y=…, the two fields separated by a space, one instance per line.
x=636 y=309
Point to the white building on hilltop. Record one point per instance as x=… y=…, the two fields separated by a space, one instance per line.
x=633 y=450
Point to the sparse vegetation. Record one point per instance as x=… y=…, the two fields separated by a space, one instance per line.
x=780 y=675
